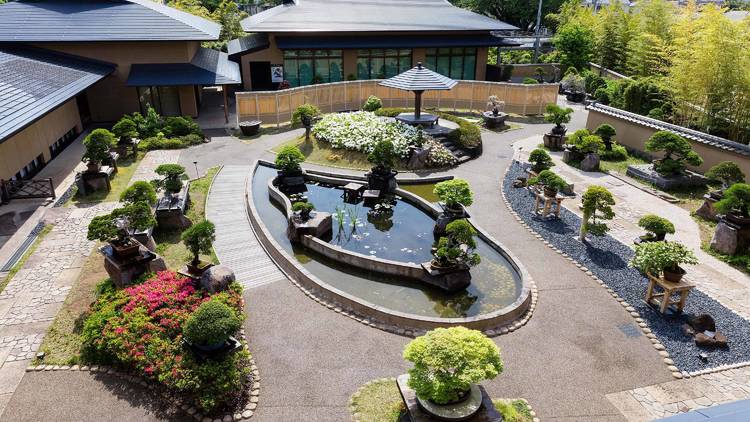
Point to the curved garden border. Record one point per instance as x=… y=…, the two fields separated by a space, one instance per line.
x=501 y=321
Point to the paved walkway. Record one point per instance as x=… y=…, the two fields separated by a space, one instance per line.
x=152 y=160
x=236 y=245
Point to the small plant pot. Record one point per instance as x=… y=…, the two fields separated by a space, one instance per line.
x=674 y=277
x=549 y=192
x=738 y=220
x=198 y=270
x=463 y=409
x=127 y=250
x=92 y=167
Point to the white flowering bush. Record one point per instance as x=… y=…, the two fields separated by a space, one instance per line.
x=439 y=155
x=362 y=130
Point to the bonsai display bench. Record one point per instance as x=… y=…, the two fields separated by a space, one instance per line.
x=543 y=204
x=665 y=299
x=371 y=197
x=352 y=192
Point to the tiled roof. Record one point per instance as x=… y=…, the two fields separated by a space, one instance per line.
x=389 y=41
x=33 y=82
x=208 y=67
x=101 y=20
x=690 y=134
x=248 y=44
x=369 y=15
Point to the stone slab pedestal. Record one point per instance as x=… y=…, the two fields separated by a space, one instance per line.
x=122 y=271
x=170 y=211
x=90 y=182
x=319 y=225
x=707 y=210
x=647 y=172
x=486 y=413
x=451 y=280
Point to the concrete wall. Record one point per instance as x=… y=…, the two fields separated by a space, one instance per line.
x=110 y=98
x=634 y=135
x=23 y=147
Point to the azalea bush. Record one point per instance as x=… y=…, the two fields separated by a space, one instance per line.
x=140 y=328
x=362 y=130
x=439 y=155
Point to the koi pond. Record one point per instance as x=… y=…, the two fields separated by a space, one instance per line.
x=400 y=232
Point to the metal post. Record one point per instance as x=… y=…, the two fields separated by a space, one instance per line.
x=537 y=32
x=226 y=104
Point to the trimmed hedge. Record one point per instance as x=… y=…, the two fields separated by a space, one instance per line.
x=467 y=135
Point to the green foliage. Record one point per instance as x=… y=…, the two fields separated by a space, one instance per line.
x=589 y=144
x=173 y=174
x=150 y=124
x=135 y=217
x=726 y=172
x=140 y=191
x=736 y=200
x=97 y=144
x=617 y=153
x=550 y=180
x=516 y=12
x=457 y=246
x=558 y=115
x=303 y=208
x=181 y=126
x=573 y=83
x=530 y=81
x=513 y=411
x=373 y=103
x=125 y=129
x=575 y=42
x=198 y=238
x=597 y=204
x=213 y=322
x=162 y=142
x=454 y=192
x=448 y=360
x=305 y=111
x=383 y=155
x=467 y=135
x=643 y=95
x=605 y=131
x=655 y=257
x=677 y=152
x=593 y=81
x=656 y=226
x=540 y=160
x=289 y=159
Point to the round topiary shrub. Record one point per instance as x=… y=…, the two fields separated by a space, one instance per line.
x=211 y=324
x=198 y=238
x=289 y=159
x=447 y=361
x=97 y=144
x=373 y=103
x=658 y=227
x=540 y=160
x=140 y=191
x=454 y=193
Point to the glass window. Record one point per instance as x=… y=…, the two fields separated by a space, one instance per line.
x=456 y=63
x=164 y=99
x=378 y=63
x=305 y=67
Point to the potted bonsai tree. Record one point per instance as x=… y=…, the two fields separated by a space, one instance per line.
x=211 y=325
x=140 y=191
x=677 y=153
x=727 y=173
x=173 y=175
x=305 y=115
x=126 y=132
x=574 y=86
x=198 y=238
x=597 y=203
x=302 y=210
x=540 y=160
x=382 y=177
x=494 y=117
x=663 y=259
x=448 y=362
x=606 y=132
x=559 y=116
x=457 y=247
x=735 y=204
x=454 y=195
x=656 y=227
x=589 y=146
x=288 y=166
x=550 y=182
x=539 y=74
x=116 y=226
x=97 y=144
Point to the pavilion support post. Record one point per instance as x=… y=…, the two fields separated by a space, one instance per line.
x=417 y=104
x=226 y=104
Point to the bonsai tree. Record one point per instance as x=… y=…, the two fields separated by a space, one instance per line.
x=540 y=160
x=657 y=258
x=736 y=201
x=373 y=103
x=539 y=73
x=173 y=174
x=288 y=160
x=574 y=83
x=495 y=105
x=211 y=324
x=677 y=152
x=559 y=116
x=589 y=144
x=551 y=182
x=125 y=129
x=726 y=172
x=139 y=192
x=305 y=114
x=597 y=204
x=115 y=227
x=198 y=238
x=454 y=193
x=383 y=156
x=657 y=227
x=447 y=361
x=303 y=209
x=457 y=246
x=97 y=144
x=606 y=132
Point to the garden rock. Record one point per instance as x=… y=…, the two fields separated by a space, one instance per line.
x=703 y=330
x=519 y=182
x=418 y=159
x=590 y=162
x=707 y=210
x=217 y=278
x=725 y=239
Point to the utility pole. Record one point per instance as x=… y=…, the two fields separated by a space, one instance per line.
x=537 y=32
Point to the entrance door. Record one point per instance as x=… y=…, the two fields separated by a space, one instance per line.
x=84 y=111
x=260 y=76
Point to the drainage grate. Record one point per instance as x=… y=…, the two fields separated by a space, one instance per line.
x=23 y=248
x=630 y=330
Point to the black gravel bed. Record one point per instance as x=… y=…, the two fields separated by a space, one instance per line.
x=608 y=259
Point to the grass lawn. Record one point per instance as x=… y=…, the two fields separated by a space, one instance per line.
x=121 y=180
x=380 y=401
x=620 y=166
x=322 y=153
x=168 y=244
x=25 y=256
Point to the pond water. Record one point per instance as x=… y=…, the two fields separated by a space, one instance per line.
x=407 y=237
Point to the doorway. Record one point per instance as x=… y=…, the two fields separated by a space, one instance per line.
x=260 y=76
x=84 y=111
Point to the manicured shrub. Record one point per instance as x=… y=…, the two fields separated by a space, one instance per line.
x=467 y=135
x=304 y=112
x=160 y=142
x=140 y=191
x=125 y=129
x=198 y=238
x=303 y=208
x=289 y=159
x=597 y=204
x=191 y=139
x=736 y=200
x=655 y=257
x=606 y=132
x=181 y=126
x=457 y=246
x=135 y=216
x=447 y=361
x=726 y=172
x=549 y=179
x=362 y=130
x=173 y=174
x=148 y=125
x=540 y=160
x=454 y=192
x=383 y=155
x=617 y=153
x=373 y=103
x=390 y=111
x=677 y=153
x=213 y=322
x=589 y=144
x=657 y=226
x=97 y=144
x=530 y=81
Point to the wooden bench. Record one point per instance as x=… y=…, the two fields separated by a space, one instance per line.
x=544 y=203
x=664 y=300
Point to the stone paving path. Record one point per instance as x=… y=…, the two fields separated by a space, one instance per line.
x=235 y=244
x=152 y=160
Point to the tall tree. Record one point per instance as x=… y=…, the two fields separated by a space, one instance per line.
x=521 y=13
x=648 y=51
x=613 y=33
x=575 y=42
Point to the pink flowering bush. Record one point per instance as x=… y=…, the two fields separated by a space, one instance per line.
x=140 y=328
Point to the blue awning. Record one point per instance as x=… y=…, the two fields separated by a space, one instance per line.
x=392 y=41
x=208 y=67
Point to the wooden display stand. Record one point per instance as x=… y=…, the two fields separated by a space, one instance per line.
x=544 y=203
x=664 y=300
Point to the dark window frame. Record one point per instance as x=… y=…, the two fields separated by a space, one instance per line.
x=293 y=55
x=398 y=56
x=155 y=101
x=431 y=60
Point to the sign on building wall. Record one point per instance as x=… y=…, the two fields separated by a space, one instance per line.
x=277 y=73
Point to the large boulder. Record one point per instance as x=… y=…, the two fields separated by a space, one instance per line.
x=217 y=278
x=590 y=162
x=725 y=239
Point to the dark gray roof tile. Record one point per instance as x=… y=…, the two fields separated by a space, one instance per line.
x=208 y=67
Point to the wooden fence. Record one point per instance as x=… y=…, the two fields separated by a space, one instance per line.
x=276 y=107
